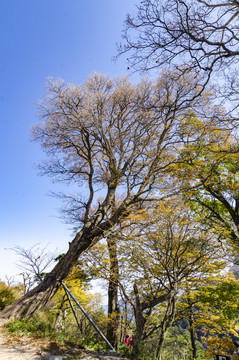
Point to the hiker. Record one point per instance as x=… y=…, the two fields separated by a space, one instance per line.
x=128 y=341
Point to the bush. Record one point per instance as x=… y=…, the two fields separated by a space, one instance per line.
x=34 y=327
x=42 y=326
x=7 y=295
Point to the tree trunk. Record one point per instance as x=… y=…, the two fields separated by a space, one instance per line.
x=93 y=230
x=38 y=297
x=139 y=320
x=166 y=323
x=113 y=305
x=59 y=316
x=192 y=330
x=162 y=337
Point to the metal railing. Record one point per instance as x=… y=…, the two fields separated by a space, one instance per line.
x=69 y=296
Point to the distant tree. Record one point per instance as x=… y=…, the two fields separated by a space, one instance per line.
x=109 y=136
x=177 y=344
x=33 y=264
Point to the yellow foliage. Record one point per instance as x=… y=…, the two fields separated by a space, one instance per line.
x=218 y=345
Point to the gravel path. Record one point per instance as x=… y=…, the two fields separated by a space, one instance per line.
x=13 y=351
x=28 y=349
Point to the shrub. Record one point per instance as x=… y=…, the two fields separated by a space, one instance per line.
x=7 y=295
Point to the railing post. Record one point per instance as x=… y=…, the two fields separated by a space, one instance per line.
x=87 y=316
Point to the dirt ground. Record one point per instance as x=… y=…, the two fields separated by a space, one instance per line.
x=25 y=348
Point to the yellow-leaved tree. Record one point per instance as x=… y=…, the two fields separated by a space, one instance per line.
x=109 y=135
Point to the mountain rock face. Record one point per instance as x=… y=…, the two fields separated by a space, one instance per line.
x=235 y=270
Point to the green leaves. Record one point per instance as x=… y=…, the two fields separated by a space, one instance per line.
x=223 y=297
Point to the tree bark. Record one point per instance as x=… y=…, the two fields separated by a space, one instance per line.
x=38 y=297
x=139 y=320
x=192 y=329
x=113 y=305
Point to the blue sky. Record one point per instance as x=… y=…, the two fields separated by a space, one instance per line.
x=66 y=39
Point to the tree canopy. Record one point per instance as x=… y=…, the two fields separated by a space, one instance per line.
x=113 y=140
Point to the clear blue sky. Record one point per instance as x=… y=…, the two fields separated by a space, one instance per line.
x=69 y=39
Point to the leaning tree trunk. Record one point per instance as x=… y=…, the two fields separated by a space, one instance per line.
x=113 y=305
x=38 y=297
x=92 y=231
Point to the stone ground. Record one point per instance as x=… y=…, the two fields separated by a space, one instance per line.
x=25 y=348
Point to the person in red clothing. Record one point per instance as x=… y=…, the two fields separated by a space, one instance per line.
x=128 y=341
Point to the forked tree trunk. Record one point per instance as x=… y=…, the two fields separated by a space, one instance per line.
x=166 y=324
x=140 y=320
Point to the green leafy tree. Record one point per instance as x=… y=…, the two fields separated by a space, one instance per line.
x=161 y=252
x=171 y=253
x=209 y=179
x=217 y=312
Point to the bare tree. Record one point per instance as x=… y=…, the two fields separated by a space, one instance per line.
x=33 y=263
x=201 y=35
x=108 y=136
